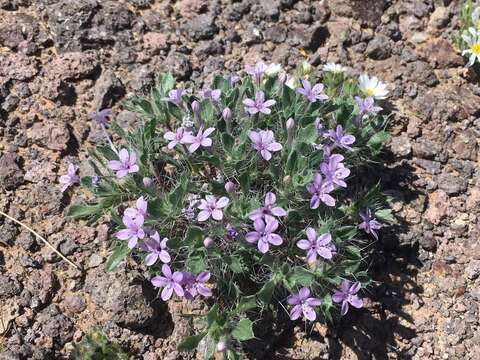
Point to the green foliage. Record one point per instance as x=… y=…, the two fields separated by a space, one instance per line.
x=96 y=346
x=246 y=283
x=119 y=253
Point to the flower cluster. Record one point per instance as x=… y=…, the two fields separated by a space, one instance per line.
x=243 y=192
x=183 y=284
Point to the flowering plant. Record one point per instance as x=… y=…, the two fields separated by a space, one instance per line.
x=247 y=194
x=468 y=38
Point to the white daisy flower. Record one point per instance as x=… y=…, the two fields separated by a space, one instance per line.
x=476 y=18
x=334 y=68
x=273 y=69
x=472 y=38
x=371 y=86
x=305 y=67
x=291 y=82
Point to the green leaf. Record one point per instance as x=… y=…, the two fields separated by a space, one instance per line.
x=206 y=111
x=81 y=211
x=119 y=253
x=235 y=264
x=117 y=129
x=266 y=292
x=107 y=152
x=193 y=236
x=196 y=264
x=212 y=315
x=177 y=195
x=299 y=276
x=291 y=164
x=376 y=141
x=228 y=141
x=159 y=208
x=244 y=180
x=219 y=82
x=191 y=342
x=307 y=135
x=243 y=331
x=385 y=215
x=167 y=82
x=246 y=303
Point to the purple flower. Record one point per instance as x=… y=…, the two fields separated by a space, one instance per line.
x=174 y=96
x=227 y=114
x=208 y=93
x=230 y=187
x=369 y=224
x=314 y=246
x=126 y=165
x=312 y=93
x=71 y=177
x=208 y=242
x=100 y=117
x=319 y=126
x=233 y=79
x=347 y=295
x=156 y=249
x=256 y=71
x=327 y=152
x=133 y=230
x=141 y=209
x=320 y=192
x=335 y=171
x=367 y=106
x=147 y=182
x=96 y=180
x=264 y=143
x=177 y=137
x=259 y=104
x=201 y=139
x=232 y=233
x=196 y=284
x=269 y=210
x=210 y=206
x=303 y=304
x=170 y=283
x=264 y=235
x=339 y=138
x=195 y=106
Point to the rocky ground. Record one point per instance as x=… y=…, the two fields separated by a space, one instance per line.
x=61 y=59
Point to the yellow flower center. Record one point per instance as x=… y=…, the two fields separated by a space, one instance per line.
x=370 y=91
x=476 y=48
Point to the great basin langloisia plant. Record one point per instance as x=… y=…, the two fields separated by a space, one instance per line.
x=250 y=194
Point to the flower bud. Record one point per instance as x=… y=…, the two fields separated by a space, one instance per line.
x=273 y=69
x=290 y=124
x=222 y=344
x=286 y=179
x=195 y=106
x=227 y=114
x=306 y=68
x=230 y=187
x=290 y=131
x=147 y=182
x=208 y=242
